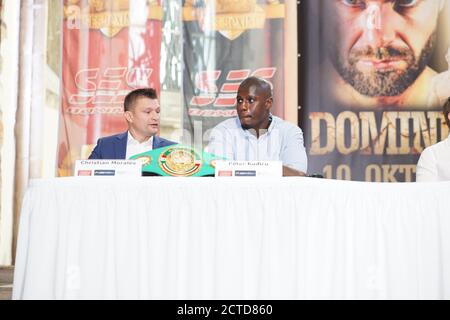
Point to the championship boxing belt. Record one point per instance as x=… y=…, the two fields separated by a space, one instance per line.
x=177 y=161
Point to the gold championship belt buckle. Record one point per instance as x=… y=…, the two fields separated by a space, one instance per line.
x=180 y=161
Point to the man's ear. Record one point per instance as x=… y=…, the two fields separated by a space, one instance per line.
x=128 y=116
x=269 y=103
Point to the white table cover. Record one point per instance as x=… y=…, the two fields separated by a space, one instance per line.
x=232 y=238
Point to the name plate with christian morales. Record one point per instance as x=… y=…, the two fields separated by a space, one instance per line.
x=90 y=168
x=225 y=168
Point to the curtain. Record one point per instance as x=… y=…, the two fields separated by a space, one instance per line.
x=30 y=101
x=2 y=31
x=9 y=41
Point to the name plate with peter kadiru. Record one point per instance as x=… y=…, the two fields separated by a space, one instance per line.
x=102 y=168
x=225 y=168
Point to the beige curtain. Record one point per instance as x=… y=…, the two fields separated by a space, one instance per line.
x=22 y=89
x=9 y=53
x=2 y=31
x=31 y=100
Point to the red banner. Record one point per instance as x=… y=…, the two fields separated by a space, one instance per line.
x=104 y=57
x=224 y=43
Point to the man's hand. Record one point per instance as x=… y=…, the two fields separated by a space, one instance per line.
x=289 y=172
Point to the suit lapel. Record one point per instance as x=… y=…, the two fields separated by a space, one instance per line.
x=156 y=142
x=120 y=146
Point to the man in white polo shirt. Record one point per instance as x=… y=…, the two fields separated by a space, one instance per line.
x=434 y=162
x=258 y=135
x=141 y=111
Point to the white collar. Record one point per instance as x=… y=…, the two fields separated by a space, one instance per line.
x=268 y=130
x=133 y=141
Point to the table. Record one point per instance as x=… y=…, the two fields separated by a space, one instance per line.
x=232 y=238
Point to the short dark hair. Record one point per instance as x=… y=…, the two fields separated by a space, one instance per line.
x=262 y=83
x=446 y=110
x=131 y=97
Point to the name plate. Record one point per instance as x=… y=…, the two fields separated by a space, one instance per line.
x=90 y=168
x=225 y=168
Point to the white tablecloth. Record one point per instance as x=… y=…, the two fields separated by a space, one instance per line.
x=233 y=238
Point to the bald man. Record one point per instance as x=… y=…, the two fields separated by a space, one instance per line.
x=258 y=135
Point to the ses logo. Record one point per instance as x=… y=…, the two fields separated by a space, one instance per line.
x=102 y=91
x=206 y=82
x=104 y=86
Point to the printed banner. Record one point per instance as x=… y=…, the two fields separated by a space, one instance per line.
x=226 y=41
x=110 y=47
x=376 y=76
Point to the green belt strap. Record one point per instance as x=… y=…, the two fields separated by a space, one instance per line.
x=177 y=161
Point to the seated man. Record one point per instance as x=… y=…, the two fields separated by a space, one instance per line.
x=434 y=162
x=258 y=135
x=141 y=111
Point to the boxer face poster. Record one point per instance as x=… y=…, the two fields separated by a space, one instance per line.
x=376 y=75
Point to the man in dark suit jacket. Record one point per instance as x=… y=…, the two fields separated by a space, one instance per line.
x=142 y=112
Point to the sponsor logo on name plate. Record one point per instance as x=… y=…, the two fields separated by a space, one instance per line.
x=180 y=161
